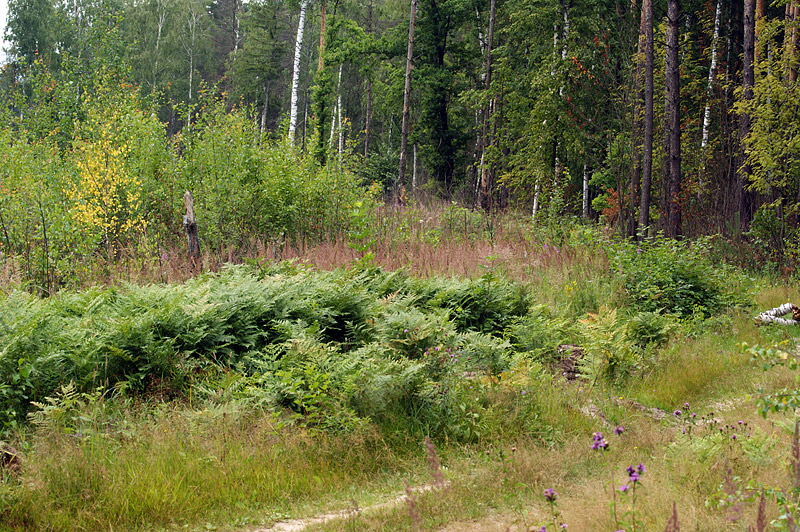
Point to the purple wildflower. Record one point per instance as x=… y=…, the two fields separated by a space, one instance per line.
x=598 y=441
x=634 y=478
x=640 y=468
x=677 y=413
x=619 y=430
x=630 y=470
x=550 y=495
x=624 y=488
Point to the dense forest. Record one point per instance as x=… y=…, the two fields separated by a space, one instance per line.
x=670 y=116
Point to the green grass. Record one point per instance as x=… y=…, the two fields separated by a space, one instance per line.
x=258 y=394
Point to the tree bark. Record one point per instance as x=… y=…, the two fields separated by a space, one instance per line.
x=647 y=155
x=264 y=111
x=585 y=205
x=298 y=47
x=322 y=37
x=401 y=177
x=761 y=11
x=673 y=227
x=743 y=199
x=485 y=200
x=368 y=113
x=636 y=133
x=711 y=71
x=790 y=50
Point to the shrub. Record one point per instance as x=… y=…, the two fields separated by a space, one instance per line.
x=668 y=276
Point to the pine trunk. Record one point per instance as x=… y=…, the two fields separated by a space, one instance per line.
x=401 y=177
x=647 y=155
x=636 y=134
x=743 y=199
x=673 y=218
x=485 y=200
x=368 y=113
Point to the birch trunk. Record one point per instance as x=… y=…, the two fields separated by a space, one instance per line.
x=162 y=17
x=406 y=101
x=711 y=70
x=298 y=47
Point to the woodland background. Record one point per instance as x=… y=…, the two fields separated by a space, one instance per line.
x=670 y=116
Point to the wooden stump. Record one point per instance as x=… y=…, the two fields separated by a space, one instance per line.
x=190 y=224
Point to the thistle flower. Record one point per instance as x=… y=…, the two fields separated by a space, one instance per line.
x=550 y=495
x=624 y=488
x=677 y=413
x=599 y=442
x=619 y=430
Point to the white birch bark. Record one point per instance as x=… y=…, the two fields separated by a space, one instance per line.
x=298 y=47
x=535 y=209
x=414 y=170
x=161 y=18
x=711 y=70
x=339 y=113
x=195 y=15
x=774 y=315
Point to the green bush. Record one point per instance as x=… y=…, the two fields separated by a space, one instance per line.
x=668 y=276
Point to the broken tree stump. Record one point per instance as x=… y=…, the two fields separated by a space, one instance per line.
x=190 y=224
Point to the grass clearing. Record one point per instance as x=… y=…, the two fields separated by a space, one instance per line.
x=264 y=393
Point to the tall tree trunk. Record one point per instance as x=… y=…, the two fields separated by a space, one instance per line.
x=673 y=80
x=298 y=47
x=760 y=19
x=790 y=39
x=161 y=17
x=743 y=197
x=322 y=37
x=485 y=200
x=636 y=134
x=711 y=70
x=368 y=113
x=585 y=211
x=647 y=155
x=401 y=177
x=264 y=111
x=339 y=114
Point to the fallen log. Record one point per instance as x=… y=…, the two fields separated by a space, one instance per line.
x=774 y=315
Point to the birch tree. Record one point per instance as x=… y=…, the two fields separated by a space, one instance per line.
x=298 y=48
x=711 y=71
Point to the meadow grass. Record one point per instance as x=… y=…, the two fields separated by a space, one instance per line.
x=211 y=458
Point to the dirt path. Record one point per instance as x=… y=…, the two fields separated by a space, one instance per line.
x=297 y=525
